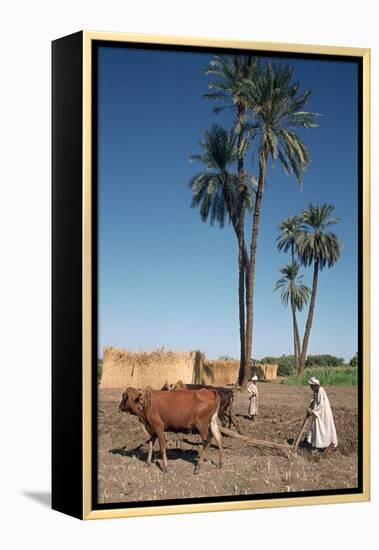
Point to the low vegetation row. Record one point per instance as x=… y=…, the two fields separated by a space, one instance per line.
x=287 y=363
x=328 y=376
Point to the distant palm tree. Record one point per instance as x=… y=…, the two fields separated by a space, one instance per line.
x=293 y=291
x=278 y=111
x=315 y=245
x=231 y=73
x=288 y=228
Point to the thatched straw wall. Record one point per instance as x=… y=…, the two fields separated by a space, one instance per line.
x=265 y=372
x=226 y=372
x=219 y=372
x=123 y=368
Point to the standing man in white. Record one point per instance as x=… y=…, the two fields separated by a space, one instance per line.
x=323 y=431
x=253 y=403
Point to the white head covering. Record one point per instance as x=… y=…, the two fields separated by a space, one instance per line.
x=255 y=377
x=313 y=381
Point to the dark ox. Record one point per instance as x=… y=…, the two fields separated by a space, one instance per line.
x=225 y=411
x=178 y=411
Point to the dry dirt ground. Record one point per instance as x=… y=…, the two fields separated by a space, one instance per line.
x=124 y=476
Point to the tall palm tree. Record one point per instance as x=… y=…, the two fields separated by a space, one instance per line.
x=293 y=291
x=320 y=247
x=215 y=190
x=231 y=73
x=288 y=228
x=278 y=111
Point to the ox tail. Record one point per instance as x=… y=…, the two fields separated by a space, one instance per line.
x=217 y=403
x=215 y=429
x=230 y=410
x=232 y=417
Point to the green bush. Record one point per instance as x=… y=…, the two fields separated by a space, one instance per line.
x=286 y=364
x=269 y=360
x=328 y=376
x=354 y=361
x=325 y=360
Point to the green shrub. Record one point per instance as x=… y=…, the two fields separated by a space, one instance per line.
x=328 y=376
x=324 y=360
x=269 y=360
x=354 y=361
x=286 y=364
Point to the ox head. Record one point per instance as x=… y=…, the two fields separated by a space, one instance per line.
x=131 y=401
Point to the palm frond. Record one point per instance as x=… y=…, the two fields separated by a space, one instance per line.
x=214 y=191
x=277 y=108
x=292 y=289
x=314 y=243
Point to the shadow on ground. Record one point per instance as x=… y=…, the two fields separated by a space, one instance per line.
x=42 y=497
x=190 y=456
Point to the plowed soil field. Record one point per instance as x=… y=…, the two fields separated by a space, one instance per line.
x=123 y=475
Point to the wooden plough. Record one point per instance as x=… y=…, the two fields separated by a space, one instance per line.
x=284 y=447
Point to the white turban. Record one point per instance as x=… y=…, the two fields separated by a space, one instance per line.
x=313 y=381
x=255 y=377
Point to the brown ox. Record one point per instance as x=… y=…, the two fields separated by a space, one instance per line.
x=178 y=411
x=225 y=411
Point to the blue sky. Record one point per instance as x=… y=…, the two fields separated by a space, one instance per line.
x=166 y=278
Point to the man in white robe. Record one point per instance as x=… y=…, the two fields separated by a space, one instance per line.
x=323 y=431
x=253 y=399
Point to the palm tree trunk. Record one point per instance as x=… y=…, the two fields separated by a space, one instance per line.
x=297 y=343
x=247 y=261
x=298 y=347
x=308 y=325
x=295 y=333
x=295 y=325
x=251 y=267
x=242 y=270
x=241 y=243
x=241 y=302
x=234 y=219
